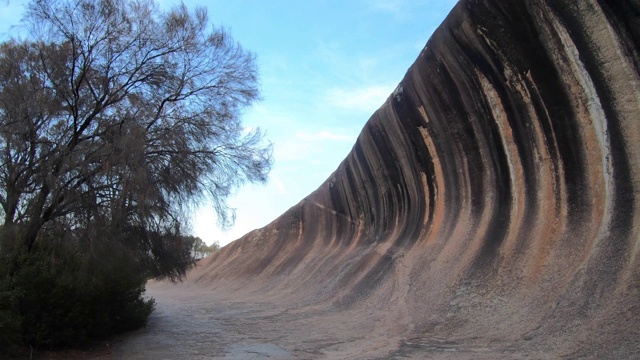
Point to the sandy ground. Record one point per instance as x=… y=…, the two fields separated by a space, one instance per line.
x=194 y=323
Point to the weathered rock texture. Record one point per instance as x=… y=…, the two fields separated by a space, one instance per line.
x=494 y=197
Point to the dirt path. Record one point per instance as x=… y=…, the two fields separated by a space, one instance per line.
x=193 y=323
x=190 y=323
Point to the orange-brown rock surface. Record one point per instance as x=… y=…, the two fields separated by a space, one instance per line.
x=493 y=197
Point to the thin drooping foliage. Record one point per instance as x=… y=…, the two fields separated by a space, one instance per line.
x=115 y=118
x=113 y=113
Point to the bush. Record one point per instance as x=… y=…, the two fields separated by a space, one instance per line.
x=62 y=294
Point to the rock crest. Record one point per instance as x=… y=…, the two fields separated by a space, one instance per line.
x=494 y=195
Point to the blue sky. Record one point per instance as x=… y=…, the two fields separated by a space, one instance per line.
x=325 y=67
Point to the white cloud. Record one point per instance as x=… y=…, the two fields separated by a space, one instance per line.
x=403 y=10
x=399 y=9
x=303 y=145
x=365 y=99
x=323 y=136
x=10 y=14
x=387 y=5
x=275 y=180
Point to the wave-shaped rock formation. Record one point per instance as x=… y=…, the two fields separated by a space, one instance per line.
x=495 y=194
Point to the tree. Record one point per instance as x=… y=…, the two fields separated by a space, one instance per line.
x=200 y=249
x=115 y=118
x=115 y=115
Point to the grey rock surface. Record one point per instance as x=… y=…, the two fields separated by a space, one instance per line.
x=491 y=203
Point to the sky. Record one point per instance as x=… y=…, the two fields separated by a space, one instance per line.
x=325 y=67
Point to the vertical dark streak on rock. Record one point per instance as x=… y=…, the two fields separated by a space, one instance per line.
x=615 y=249
x=571 y=147
x=625 y=19
x=494 y=195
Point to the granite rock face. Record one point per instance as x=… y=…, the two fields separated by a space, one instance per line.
x=494 y=195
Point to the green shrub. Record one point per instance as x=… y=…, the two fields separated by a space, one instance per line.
x=10 y=319
x=62 y=293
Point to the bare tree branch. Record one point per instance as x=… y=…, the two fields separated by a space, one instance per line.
x=118 y=115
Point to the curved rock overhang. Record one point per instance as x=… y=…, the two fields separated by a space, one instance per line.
x=495 y=191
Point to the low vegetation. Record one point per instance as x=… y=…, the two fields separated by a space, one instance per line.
x=200 y=249
x=114 y=118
